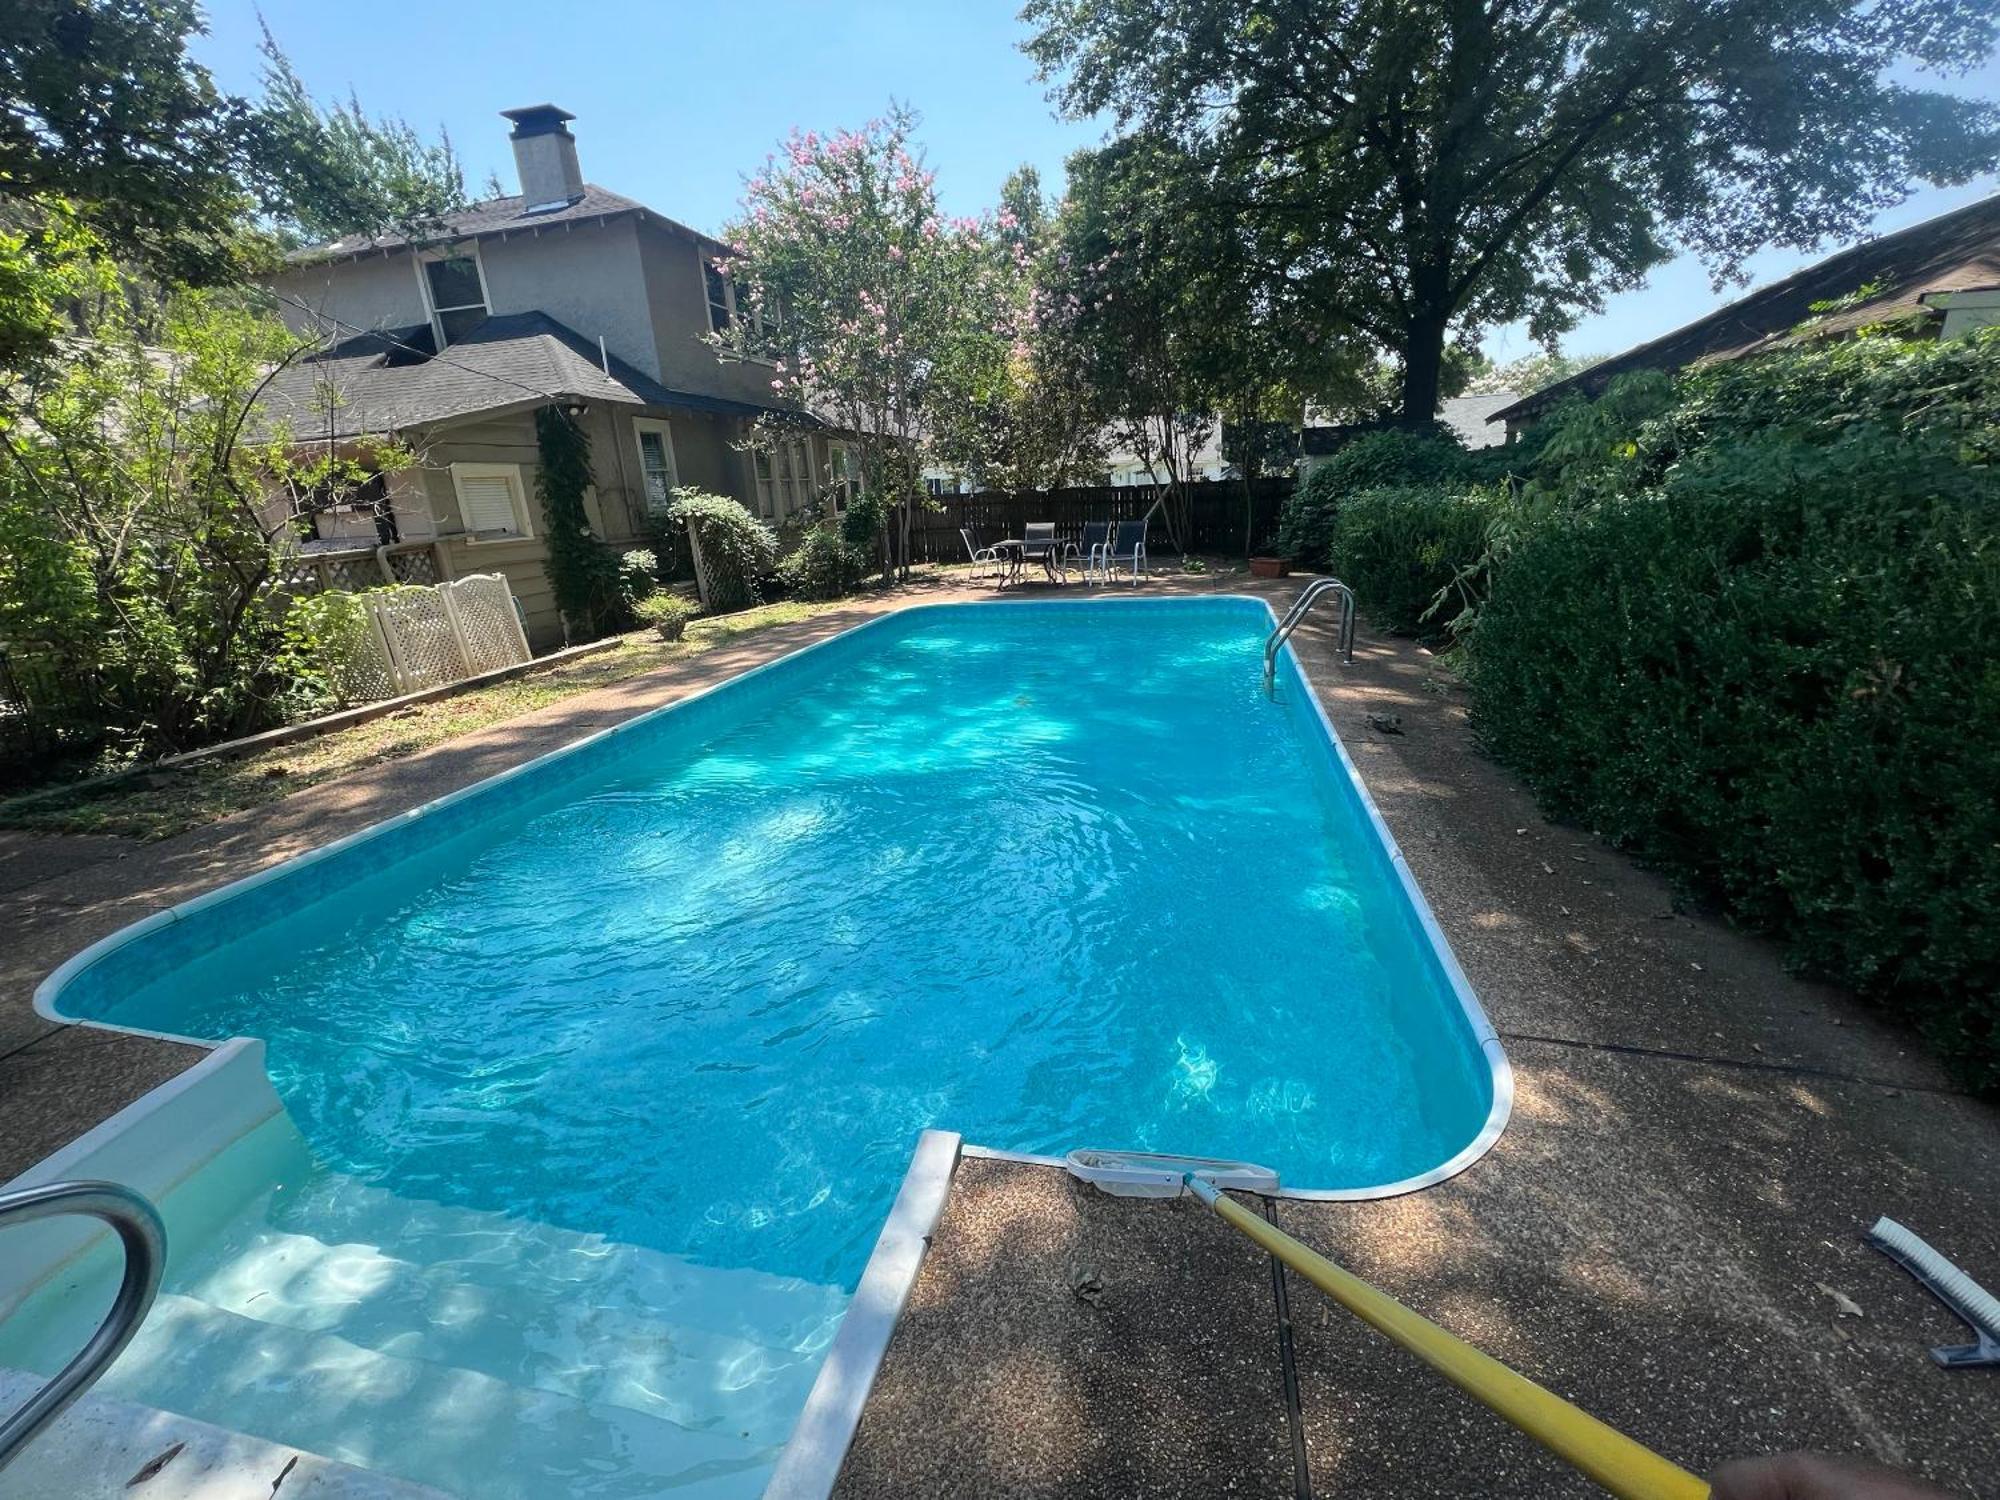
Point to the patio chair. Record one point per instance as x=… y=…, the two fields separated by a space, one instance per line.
x=985 y=561
x=1039 y=544
x=1127 y=545
x=1095 y=535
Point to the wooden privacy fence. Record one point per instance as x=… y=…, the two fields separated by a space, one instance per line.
x=1218 y=515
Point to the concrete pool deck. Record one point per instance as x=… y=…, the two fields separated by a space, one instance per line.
x=1696 y=1142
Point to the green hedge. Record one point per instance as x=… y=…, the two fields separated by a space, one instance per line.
x=1772 y=667
x=1400 y=549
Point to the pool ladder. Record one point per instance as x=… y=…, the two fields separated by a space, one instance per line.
x=1315 y=591
x=144 y=1238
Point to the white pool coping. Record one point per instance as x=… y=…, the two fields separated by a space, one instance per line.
x=810 y=1464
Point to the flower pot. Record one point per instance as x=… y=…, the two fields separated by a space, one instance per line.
x=671 y=630
x=1270 y=567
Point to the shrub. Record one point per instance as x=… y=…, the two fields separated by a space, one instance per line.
x=1397 y=456
x=1772 y=667
x=667 y=612
x=638 y=573
x=1393 y=457
x=738 y=551
x=1401 y=551
x=822 y=566
x=1307 y=519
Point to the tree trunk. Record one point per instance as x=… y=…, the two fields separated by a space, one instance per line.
x=1423 y=368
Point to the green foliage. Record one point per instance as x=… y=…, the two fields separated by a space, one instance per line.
x=667 y=612
x=588 y=582
x=638 y=573
x=100 y=104
x=738 y=551
x=321 y=172
x=1393 y=457
x=1397 y=456
x=824 y=565
x=1760 y=644
x=1403 y=549
x=1415 y=174
x=1307 y=519
x=144 y=512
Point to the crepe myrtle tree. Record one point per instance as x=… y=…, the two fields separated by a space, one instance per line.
x=1012 y=409
x=1418 y=171
x=864 y=295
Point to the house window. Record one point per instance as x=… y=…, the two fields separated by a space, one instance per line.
x=491 y=500
x=784 y=476
x=843 y=467
x=455 y=290
x=720 y=297
x=658 y=476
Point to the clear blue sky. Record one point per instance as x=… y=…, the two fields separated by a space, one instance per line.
x=677 y=102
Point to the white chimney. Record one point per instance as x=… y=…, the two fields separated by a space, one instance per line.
x=545 y=156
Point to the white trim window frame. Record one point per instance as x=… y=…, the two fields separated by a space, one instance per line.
x=724 y=298
x=659 y=472
x=492 y=502
x=843 y=473
x=782 y=471
x=444 y=318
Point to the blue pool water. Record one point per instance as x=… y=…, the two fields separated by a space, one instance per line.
x=1049 y=875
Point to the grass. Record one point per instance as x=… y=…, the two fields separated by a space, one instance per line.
x=158 y=803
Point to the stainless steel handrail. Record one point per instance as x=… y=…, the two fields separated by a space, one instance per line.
x=144 y=1238
x=1315 y=591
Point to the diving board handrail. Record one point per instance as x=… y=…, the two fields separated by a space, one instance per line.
x=1315 y=591
x=144 y=1239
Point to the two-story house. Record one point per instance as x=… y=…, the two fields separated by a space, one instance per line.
x=566 y=294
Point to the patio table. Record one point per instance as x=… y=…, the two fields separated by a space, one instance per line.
x=1015 y=551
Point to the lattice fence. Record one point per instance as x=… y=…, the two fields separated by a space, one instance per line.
x=408 y=638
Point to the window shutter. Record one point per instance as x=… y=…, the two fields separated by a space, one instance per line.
x=486 y=502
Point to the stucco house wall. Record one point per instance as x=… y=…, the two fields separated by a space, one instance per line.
x=587 y=277
x=378 y=291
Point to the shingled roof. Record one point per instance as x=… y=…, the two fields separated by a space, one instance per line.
x=504 y=216
x=391 y=381
x=1953 y=252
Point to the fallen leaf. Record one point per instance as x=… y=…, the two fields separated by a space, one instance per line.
x=153 y=1465
x=1843 y=1304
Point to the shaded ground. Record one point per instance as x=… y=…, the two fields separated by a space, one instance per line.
x=1697 y=1143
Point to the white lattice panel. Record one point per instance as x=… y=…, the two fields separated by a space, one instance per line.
x=488 y=626
x=423 y=643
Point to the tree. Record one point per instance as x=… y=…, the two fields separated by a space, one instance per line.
x=1528 y=374
x=321 y=172
x=101 y=105
x=145 y=507
x=1414 y=170
x=1010 y=411
x=849 y=273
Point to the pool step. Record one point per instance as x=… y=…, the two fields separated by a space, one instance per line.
x=456 y=1429
x=528 y=1303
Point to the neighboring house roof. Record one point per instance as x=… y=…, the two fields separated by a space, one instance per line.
x=502 y=216
x=391 y=381
x=1467 y=416
x=1953 y=252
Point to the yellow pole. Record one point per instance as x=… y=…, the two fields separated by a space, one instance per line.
x=1625 y=1468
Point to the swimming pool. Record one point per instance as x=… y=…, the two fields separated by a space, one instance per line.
x=603 y=1074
